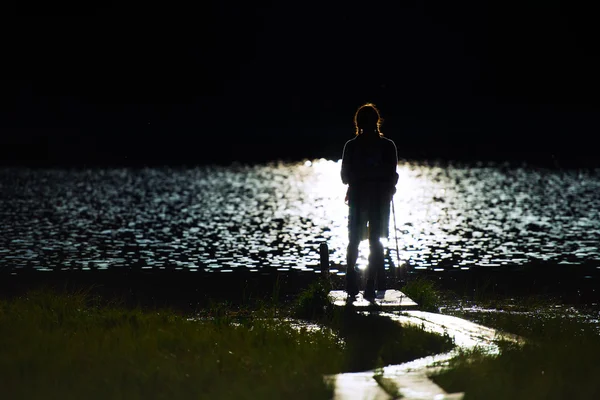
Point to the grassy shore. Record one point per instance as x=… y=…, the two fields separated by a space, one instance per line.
x=68 y=344
x=73 y=345
x=557 y=360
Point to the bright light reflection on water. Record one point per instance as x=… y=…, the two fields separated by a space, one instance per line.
x=275 y=216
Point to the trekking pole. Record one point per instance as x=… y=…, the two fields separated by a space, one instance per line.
x=395 y=235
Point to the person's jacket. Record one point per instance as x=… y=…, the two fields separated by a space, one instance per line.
x=369 y=164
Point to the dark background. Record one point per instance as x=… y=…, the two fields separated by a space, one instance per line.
x=216 y=82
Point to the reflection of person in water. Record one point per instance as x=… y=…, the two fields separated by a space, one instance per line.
x=369 y=164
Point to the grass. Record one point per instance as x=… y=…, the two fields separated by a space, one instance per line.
x=424 y=291
x=313 y=303
x=72 y=345
x=66 y=346
x=558 y=359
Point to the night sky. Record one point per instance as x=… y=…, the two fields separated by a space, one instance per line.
x=142 y=83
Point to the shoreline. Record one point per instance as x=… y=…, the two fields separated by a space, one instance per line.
x=574 y=285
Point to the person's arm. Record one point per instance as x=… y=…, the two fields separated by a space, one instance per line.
x=346 y=165
x=393 y=166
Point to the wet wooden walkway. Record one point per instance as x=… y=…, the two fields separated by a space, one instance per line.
x=411 y=378
x=390 y=300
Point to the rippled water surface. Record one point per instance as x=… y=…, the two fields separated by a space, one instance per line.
x=274 y=216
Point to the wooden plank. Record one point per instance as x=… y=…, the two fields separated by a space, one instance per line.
x=356 y=386
x=391 y=299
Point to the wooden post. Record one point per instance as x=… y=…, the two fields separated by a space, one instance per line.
x=324 y=252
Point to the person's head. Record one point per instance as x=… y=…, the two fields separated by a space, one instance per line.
x=367 y=120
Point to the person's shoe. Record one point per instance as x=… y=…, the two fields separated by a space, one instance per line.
x=369 y=293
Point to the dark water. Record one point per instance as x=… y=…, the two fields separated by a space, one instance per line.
x=274 y=216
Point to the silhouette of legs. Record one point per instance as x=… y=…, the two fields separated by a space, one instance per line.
x=351 y=274
x=368 y=218
x=376 y=269
x=378 y=225
x=357 y=227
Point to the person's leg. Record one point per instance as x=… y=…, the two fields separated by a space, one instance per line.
x=376 y=269
x=352 y=286
x=355 y=232
x=377 y=230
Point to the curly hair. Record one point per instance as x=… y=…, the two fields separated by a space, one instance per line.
x=367 y=116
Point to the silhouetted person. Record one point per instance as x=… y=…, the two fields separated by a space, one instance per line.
x=369 y=164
